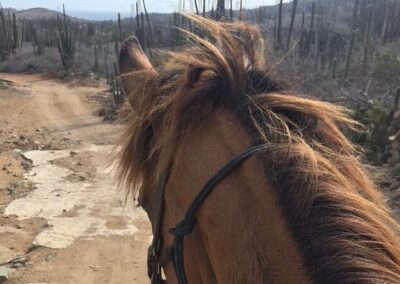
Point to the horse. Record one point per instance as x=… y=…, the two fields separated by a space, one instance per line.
x=299 y=208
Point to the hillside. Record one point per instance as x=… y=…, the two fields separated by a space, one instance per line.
x=36 y=14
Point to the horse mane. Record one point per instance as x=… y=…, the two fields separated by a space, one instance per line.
x=343 y=227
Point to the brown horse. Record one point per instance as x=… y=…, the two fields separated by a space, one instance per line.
x=301 y=211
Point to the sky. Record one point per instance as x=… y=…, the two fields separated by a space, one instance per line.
x=123 y=6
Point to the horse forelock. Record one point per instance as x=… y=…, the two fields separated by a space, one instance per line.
x=343 y=228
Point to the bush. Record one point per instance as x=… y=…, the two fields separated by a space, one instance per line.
x=387 y=67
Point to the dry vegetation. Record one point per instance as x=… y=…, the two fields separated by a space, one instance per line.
x=345 y=51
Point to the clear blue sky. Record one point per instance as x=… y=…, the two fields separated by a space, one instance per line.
x=119 y=5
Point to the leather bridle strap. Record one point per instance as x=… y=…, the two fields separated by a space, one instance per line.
x=153 y=254
x=186 y=226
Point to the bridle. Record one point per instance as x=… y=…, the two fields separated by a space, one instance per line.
x=186 y=226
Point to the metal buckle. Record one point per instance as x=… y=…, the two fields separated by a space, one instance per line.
x=153 y=266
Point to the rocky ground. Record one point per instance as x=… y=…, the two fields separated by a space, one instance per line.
x=62 y=217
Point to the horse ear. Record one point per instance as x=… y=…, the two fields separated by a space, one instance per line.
x=132 y=58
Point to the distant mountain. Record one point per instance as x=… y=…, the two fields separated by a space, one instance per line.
x=43 y=13
x=37 y=13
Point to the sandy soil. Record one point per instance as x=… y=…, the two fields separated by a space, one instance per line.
x=62 y=218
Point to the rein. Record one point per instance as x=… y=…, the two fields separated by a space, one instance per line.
x=186 y=226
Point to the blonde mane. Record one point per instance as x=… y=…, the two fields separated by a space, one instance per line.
x=343 y=228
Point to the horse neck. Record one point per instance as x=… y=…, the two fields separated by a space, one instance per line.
x=241 y=235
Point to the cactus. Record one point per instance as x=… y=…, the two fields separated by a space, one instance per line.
x=367 y=40
x=137 y=16
x=150 y=39
x=231 y=10
x=196 y=7
x=241 y=10
x=116 y=48
x=334 y=63
x=220 y=12
x=385 y=23
x=96 y=59
x=279 y=29
x=105 y=52
x=15 y=41
x=291 y=24
x=120 y=28
x=353 y=32
x=22 y=33
x=65 y=40
x=8 y=35
x=303 y=35
x=310 y=32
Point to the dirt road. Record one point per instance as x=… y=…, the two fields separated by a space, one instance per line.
x=62 y=219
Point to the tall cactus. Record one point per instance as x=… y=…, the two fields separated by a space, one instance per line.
x=15 y=40
x=279 y=31
x=367 y=39
x=151 y=41
x=22 y=33
x=65 y=40
x=241 y=10
x=120 y=29
x=291 y=24
x=8 y=40
x=311 y=30
x=96 y=59
x=231 y=10
x=220 y=9
x=353 y=33
x=385 y=23
x=196 y=7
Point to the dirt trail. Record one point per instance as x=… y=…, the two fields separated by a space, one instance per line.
x=63 y=219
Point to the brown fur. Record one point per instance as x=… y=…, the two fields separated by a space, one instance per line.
x=335 y=212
